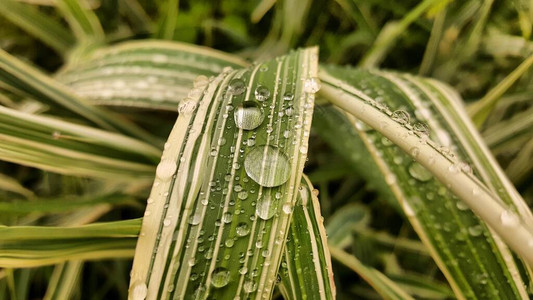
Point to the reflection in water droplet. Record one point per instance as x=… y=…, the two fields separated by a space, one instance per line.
x=236 y=87
x=248 y=116
x=419 y=172
x=220 y=277
x=266 y=206
x=166 y=169
x=267 y=166
x=421 y=128
x=262 y=93
x=249 y=286
x=242 y=229
x=288 y=96
x=311 y=85
x=400 y=116
x=509 y=219
x=139 y=291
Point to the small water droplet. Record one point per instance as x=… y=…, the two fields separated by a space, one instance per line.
x=267 y=166
x=187 y=106
x=229 y=243
x=195 y=219
x=266 y=207
x=287 y=208
x=167 y=222
x=421 y=128
x=311 y=85
x=139 y=291
x=288 y=96
x=414 y=151
x=220 y=277
x=242 y=195
x=227 y=217
x=400 y=116
x=509 y=219
x=243 y=270
x=461 y=205
x=236 y=86
x=261 y=93
x=419 y=172
x=242 y=229
x=248 y=116
x=166 y=169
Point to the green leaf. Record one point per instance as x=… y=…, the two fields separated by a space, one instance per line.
x=19 y=76
x=152 y=74
x=82 y=20
x=214 y=224
x=444 y=223
x=38 y=24
x=59 y=146
x=64 y=280
x=306 y=271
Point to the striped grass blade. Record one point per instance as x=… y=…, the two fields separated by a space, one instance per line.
x=215 y=225
x=151 y=74
x=58 y=146
x=306 y=271
x=444 y=223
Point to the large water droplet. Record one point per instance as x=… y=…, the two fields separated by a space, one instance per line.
x=249 y=286
x=419 y=172
x=242 y=229
x=266 y=206
x=139 y=291
x=166 y=169
x=220 y=277
x=262 y=93
x=400 y=116
x=248 y=116
x=311 y=85
x=267 y=166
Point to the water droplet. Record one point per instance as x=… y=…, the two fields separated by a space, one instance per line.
x=287 y=208
x=167 y=222
x=419 y=172
x=288 y=96
x=242 y=229
x=243 y=270
x=236 y=86
x=261 y=93
x=229 y=243
x=220 y=277
x=311 y=85
x=421 y=128
x=248 y=116
x=139 y=291
x=249 y=286
x=267 y=166
x=475 y=230
x=166 y=169
x=509 y=219
x=263 y=68
x=461 y=205
x=195 y=219
x=400 y=116
x=200 y=81
x=227 y=217
x=414 y=151
x=266 y=207
x=242 y=195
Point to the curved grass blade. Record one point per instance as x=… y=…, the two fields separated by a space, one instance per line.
x=37 y=24
x=152 y=74
x=83 y=22
x=63 y=147
x=214 y=224
x=445 y=225
x=31 y=246
x=381 y=283
x=10 y=184
x=19 y=76
x=64 y=280
x=306 y=271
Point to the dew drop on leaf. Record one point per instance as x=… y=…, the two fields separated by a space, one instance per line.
x=249 y=286
x=262 y=93
x=248 y=116
x=166 y=169
x=311 y=85
x=417 y=171
x=236 y=87
x=267 y=166
x=220 y=277
x=288 y=96
x=266 y=207
x=242 y=229
x=475 y=230
x=509 y=219
x=400 y=116
x=139 y=291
